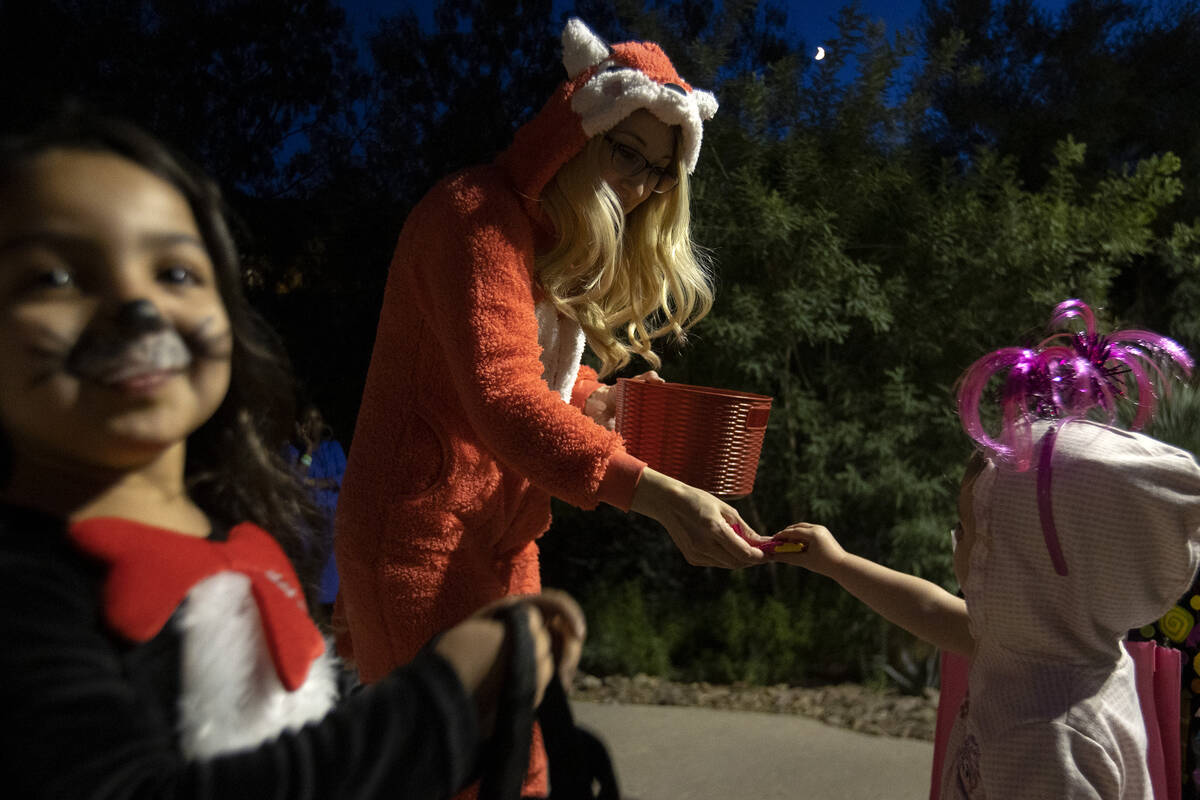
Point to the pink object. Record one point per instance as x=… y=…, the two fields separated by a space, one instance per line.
x=954 y=670
x=707 y=438
x=766 y=547
x=1157 y=672
x=769 y=547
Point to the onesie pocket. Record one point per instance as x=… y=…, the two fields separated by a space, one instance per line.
x=423 y=459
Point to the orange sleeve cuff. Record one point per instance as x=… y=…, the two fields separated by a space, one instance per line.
x=582 y=391
x=620 y=480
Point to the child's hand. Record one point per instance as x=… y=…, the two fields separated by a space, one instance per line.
x=564 y=622
x=477 y=648
x=809 y=546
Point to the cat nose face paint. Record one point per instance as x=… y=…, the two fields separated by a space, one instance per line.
x=140 y=316
x=141 y=344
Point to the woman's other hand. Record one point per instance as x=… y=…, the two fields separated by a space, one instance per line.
x=601 y=404
x=701 y=525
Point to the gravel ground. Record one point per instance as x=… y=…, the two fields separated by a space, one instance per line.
x=847 y=705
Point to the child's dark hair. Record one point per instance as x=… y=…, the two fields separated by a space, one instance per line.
x=235 y=471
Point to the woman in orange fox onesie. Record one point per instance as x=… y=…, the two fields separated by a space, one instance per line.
x=476 y=409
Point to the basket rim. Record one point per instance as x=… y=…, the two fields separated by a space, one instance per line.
x=704 y=390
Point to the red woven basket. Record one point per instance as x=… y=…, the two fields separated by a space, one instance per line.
x=707 y=438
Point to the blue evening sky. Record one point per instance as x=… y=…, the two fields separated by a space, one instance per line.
x=808 y=19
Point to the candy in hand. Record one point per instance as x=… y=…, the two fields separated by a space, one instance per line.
x=771 y=546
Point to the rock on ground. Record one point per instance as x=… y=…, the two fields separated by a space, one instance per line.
x=847 y=705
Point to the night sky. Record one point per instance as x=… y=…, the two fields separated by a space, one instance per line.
x=808 y=19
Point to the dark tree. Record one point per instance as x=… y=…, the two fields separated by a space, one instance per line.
x=240 y=85
x=264 y=95
x=1119 y=76
x=451 y=97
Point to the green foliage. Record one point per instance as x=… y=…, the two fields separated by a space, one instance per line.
x=623 y=639
x=1178 y=419
x=1180 y=255
x=1119 y=75
x=730 y=636
x=738 y=637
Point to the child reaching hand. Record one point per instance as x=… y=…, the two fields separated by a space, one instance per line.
x=1070 y=533
x=156 y=638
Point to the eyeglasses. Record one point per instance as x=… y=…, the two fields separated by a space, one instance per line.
x=631 y=163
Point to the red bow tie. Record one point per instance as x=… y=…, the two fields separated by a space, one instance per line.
x=151 y=570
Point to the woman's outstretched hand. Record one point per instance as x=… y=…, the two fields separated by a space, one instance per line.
x=701 y=526
x=477 y=648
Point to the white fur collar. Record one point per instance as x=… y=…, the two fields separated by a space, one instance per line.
x=562 y=342
x=230 y=695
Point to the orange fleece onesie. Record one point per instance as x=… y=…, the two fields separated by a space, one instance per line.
x=472 y=413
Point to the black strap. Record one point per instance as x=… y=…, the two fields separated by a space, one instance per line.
x=578 y=759
x=506 y=759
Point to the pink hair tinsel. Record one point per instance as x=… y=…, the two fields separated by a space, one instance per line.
x=1068 y=375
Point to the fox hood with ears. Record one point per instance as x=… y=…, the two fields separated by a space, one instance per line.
x=605 y=84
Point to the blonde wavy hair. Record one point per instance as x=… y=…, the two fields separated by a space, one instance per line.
x=625 y=281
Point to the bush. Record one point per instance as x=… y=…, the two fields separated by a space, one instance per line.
x=622 y=639
x=740 y=635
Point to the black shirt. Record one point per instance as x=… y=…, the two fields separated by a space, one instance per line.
x=89 y=715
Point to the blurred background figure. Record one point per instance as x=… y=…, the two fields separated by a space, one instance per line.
x=321 y=461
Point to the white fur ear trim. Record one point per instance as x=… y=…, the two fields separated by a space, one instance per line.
x=706 y=103
x=611 y=95
x=581 y=48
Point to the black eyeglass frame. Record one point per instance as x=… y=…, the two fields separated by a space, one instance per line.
x=668 y=173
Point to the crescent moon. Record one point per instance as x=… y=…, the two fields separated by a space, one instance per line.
x=820 y=54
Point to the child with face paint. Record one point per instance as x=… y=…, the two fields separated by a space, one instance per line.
x=1070 y=533
x=156 y=637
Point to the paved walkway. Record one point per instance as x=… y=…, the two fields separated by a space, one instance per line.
x=679 y=753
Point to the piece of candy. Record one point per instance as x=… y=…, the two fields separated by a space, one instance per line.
x=780 y=547
x=770 y=547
